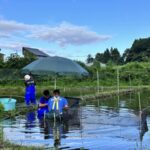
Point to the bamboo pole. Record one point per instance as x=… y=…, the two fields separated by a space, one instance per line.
x=118 y=84
x=97 y=81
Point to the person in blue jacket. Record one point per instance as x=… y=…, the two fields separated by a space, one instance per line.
x=30 y=90
x=57 y=103
x=43 y=104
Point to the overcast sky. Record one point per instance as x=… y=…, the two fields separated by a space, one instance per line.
x=72 y=28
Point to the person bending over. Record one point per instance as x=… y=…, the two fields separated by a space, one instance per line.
x=43 y=103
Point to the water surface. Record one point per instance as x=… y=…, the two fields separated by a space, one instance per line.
x=112 y=123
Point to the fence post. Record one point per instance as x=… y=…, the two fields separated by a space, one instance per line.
x=55 y=83
x=118 y=85
x=97 y=81
x=118 y=82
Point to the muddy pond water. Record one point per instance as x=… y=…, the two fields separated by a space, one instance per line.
x=102 y=124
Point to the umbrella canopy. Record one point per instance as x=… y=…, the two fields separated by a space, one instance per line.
x=54 y=65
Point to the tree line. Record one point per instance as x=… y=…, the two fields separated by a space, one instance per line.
x=15 y=61
x=139 y=52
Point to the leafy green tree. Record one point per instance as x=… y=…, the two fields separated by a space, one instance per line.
x=2 y=65
x=139 y=51
x=103 y=57
x=107 y=56
x=99 y=57
x=14 y=61
x=90 y=59
x=115 y=55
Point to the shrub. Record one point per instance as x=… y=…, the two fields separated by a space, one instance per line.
x=1 y=109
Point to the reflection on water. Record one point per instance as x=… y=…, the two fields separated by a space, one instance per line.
x=99 y=124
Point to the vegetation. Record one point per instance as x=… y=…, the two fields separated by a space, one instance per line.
x=14 y=61
x=139 y=52
x=111 y=55
x=131 y=72
x=1 y=110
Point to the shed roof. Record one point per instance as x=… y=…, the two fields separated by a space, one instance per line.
x=35 y=51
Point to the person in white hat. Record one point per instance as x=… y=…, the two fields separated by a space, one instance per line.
x=26 y=77
x=30 y=90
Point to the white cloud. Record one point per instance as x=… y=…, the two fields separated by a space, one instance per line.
x=12 y=45
x=12 y=26
x=68 y=34
x=63 y=34
x=4 y=35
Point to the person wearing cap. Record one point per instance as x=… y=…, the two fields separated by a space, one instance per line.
x=29 y=90
x=57 y=103
x=43 y=104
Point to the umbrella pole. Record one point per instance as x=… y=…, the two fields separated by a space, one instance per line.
x=55 y=83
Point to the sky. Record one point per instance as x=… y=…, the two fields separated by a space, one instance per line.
x=72 y=28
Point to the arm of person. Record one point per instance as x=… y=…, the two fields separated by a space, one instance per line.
x=42 y=105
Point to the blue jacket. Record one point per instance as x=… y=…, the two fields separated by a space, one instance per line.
x=57 y=103
x=30 y=87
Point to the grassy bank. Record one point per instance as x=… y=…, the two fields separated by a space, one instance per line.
x=92 y=92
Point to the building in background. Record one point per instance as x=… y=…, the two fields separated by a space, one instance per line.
x=33 y=53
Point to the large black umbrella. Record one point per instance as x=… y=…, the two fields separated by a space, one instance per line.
x=54 y=66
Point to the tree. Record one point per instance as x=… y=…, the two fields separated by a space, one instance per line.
x=115 y=55
x=99 y=57
x=139 y=51
x=14 y=61
x=107 y=56
x=90 y=59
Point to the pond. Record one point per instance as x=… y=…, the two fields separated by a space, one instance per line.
x=112 y=123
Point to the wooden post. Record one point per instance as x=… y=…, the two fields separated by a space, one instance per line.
x=118 y=84
x=55 y=83
x=97 y=81
x=140 y=112
x=130 y=81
